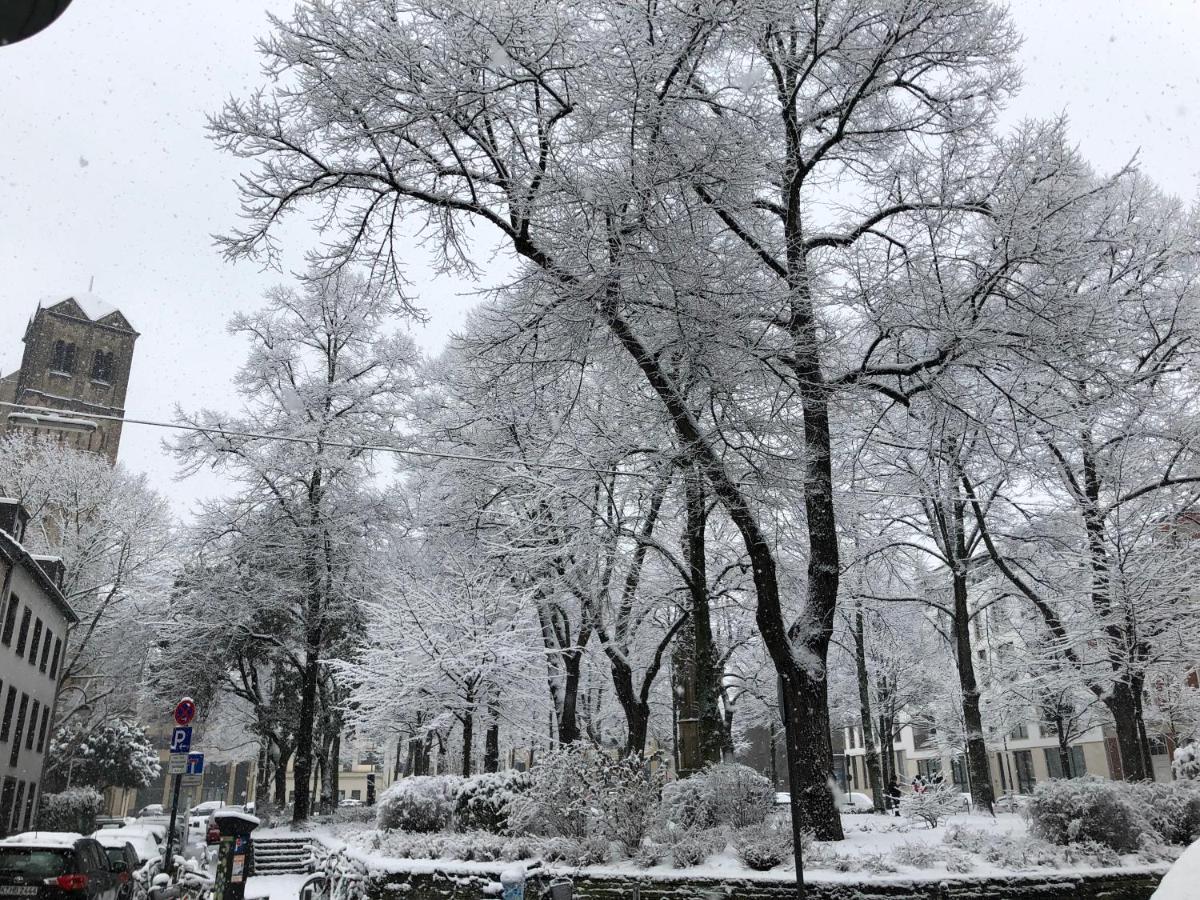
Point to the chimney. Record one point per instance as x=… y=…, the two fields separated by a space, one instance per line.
x=13 y=518
x=54 y=568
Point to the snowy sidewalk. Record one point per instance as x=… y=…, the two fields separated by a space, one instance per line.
x=276 y=887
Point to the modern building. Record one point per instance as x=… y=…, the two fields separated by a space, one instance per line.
x=34 y=619
x=78 y=353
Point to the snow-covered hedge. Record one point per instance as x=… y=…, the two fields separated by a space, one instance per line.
x=763 y=846
x=74 y=809
x=420 y=803
x=1069 y=811
x=933 y=805
x=725 y=794
x=1172 y=809
x=577 y=793
x=483 y=801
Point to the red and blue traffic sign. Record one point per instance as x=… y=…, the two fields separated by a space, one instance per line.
x=185 y=711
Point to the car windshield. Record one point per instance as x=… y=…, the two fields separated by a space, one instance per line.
x=34 y=862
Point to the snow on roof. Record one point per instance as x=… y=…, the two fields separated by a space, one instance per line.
x=43 y=839
x=93 y=307
x=235 y=813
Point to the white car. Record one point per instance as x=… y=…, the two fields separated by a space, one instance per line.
x=198 y=817
x=143 y=842
x=856 y=802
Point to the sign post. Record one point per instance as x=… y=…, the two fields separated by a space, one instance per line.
x=179 y=765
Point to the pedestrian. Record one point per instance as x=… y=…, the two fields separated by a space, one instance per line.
x=893 y=793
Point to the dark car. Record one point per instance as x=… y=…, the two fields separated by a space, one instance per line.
x=123 y=862
x=56 y=867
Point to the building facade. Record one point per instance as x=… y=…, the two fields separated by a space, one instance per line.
x=77 y=358
x=34 y=620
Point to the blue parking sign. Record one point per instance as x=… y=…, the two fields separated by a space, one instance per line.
x=181 y=740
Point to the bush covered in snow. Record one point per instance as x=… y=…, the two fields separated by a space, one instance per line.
x=933 y=805
x=1087 y=809
x=116 y=753
x=483 y=801
x=74 y=809
x=561 y=798
x=763 y=846
x=419 y=803
x=725 y=794
x=1171 y=809
x=628 y=795
x=1186 y=762
x=693 y=847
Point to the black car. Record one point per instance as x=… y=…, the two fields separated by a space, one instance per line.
x=48 y=868
x=123 y=862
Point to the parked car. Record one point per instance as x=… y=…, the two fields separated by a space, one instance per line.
x=123 y=863
x=856 y=802
x=144 y=844
x=56 y=866
x=198 y=819
x=152 y=809
x=349 y=802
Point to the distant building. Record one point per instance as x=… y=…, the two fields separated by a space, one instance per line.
x=78 y=352
x=34 y=618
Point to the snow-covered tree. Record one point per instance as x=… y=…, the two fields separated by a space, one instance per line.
x=326 y=377
x=116 y=753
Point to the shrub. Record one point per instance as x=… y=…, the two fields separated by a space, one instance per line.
x=1086 y=809
x=74 y=809
x=917 y=854
x=1186 y=762
x=1172 y=810
x=649 y=854
x=932 y=806
x=695 y=847
x=483 y=801
x=561 y=796
x=419 y=803
x=587 y=852
x=628 y=793
x=761 y=847
x=725 y=794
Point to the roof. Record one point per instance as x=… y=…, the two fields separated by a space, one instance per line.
x=92 y=306
x=12 y=551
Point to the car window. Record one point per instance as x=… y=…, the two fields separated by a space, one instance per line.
x=34 y=862
x=115 y=854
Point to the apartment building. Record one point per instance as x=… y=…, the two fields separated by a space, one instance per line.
x=34 y=620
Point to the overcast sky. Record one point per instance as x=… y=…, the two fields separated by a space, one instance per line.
x=107 y=174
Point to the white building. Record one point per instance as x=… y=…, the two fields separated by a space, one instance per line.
x=34 y=620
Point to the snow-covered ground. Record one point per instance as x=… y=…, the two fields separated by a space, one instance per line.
x=275 y=887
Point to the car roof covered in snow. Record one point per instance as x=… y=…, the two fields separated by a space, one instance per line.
x=56 y=839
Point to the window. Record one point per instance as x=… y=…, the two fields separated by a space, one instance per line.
x=32 y=733
x=958 y=772
x=1000 y=768
x=63 y=359
x=1054 y=763
x=29 y=798
x=1019 y=733
x=54 y=660
x=927 y=768
x=37 y=640
x=46 y=650
x=18 y=803
x=1023 y=761
x=356 y=795
x=10 y=620
x=102 y=366
x=6 y=722
x=19 y=731
x=6 y=802
x=41 y=747
x=23 y=634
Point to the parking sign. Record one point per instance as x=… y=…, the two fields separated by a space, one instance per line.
x=181 y=740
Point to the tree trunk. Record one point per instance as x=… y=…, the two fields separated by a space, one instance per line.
x=568 y=722
x=335 y=766
x=281 y=766
x=468 y=736
x=867 y=723
x=706 y=671
x=491 y=738
x=303 y=768
x=977 y=758
x=1120 y=704
x=262 y=781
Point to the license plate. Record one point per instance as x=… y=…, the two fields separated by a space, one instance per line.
x=18 y=890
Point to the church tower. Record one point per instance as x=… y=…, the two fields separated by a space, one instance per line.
x=78 y=352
